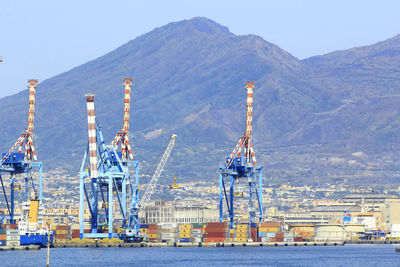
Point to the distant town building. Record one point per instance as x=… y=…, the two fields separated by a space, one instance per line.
x=166 y=212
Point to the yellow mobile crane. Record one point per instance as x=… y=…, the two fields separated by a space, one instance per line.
x=174 y=185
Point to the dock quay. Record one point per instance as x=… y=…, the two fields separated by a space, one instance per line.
x=30 y=247
x=200 y=244
x=380 y=242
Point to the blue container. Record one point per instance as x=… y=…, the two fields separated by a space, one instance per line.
x=185 y=240
x=2 y=242
x=253 y=225
x=2 y=231
x=144 y=226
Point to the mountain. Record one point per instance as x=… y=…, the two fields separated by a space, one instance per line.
x=189 y=79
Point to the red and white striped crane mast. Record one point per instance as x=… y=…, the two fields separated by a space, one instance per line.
x=122 y=136
x=105 y=180
x=20 y=162
x=241 y=166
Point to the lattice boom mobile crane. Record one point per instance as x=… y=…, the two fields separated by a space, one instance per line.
x=108 y=174
x=242 y=165
x=19 y=163
x=144 y=201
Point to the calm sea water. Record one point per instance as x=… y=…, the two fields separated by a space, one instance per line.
x=349 y=255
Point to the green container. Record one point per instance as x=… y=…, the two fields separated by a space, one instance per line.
x=198 y=225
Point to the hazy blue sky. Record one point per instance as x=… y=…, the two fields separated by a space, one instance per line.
x=39 y=39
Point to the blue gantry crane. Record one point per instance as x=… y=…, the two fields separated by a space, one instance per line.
x=241 y=168
x=22 y=163
x=105 y=179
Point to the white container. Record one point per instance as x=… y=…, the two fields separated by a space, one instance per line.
x=12 y=243
x=168 y=235
x=167 y=225
x=264 y=239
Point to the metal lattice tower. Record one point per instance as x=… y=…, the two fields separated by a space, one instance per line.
x=18 y=163
x=241 y=166
x=154 y=179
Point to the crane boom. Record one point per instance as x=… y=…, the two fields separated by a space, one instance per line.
x=154 y=179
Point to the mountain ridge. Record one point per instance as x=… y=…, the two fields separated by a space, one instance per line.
x=189 y=78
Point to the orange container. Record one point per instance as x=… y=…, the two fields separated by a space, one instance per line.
x=279 y=235
x=62 y=227
x=268 y=225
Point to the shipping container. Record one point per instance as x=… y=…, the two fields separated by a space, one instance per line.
x=215 y=230
x=185 y=235
x=214 y=239
x=185 y=240
x=13 y=237
x=9 y=226
x=279 y=235
x=268 y=229
x=216 y=224
x=152 y=235
x=185 y=231
x=167 y=225
x=3 y=236
x=288 y=234
x=268 y=225
x=266 y=234
x=13 y=243
x=75 y=226
x=215 y=235
x=152 y=226
x=75 y=235
x=2 y=242
x=62 y=227
x=198 y=225
x=61 y=236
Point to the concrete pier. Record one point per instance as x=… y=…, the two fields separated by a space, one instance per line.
x=201 y=244
x=30 y=247
x=373 y=242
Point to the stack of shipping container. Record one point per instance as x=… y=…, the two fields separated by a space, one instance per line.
x=198 y=232
x=185 y=233
x=168 y=232
x=62 y=234
x=215 y=232
x=2 y=236
x=304 y=231
x=13 y=238
x=75 y=231
x=153 y=233
x=242 y=231
x=3 y=232
x=267 y=231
